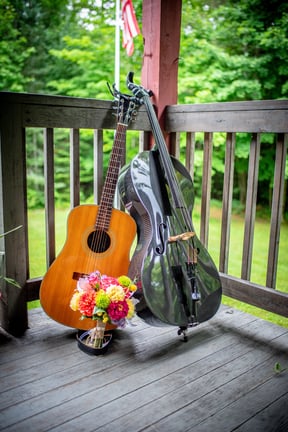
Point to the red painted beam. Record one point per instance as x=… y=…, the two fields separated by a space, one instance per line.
x=161 y=28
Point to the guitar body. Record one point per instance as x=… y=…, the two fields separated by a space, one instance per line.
x=161 y=265
x=82 y=254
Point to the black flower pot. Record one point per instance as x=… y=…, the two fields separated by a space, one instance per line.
x=88 y=349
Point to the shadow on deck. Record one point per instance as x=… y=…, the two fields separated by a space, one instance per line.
x=222 y=379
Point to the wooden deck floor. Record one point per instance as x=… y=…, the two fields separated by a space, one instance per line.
x=222 y=379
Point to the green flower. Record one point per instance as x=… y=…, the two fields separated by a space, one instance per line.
x=125 y=281
x=102 y=300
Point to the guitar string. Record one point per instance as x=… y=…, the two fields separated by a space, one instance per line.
x=188 y=247
x=168 y=166
x=176 y=249
x=165 y=158
x=101 y=223
x=101 y=234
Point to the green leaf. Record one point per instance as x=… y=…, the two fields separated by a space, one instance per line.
x=11 y=281
x=10 y=231
x=277 y=368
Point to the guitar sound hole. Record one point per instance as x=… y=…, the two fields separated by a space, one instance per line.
x=98 y=241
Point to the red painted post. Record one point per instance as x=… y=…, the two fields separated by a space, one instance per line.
x=161 y=28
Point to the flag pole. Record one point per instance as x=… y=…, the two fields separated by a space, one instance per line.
x=116 y=201
x=117 y=45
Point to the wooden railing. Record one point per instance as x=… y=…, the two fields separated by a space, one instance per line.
x=21 y=111
x=255 y=117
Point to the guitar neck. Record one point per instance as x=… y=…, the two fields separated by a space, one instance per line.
x=108 y=193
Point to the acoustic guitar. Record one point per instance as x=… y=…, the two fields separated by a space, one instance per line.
x=179 y=282
x=99 y=237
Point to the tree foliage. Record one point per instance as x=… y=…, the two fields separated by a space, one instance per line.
x=13 y=51
x=230 y=51
x=238 y=51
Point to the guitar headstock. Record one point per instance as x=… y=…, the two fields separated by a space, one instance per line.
x=126 y=109
x=126 y=106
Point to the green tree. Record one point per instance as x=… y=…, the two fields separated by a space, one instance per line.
x=13 y=51
x=63 y=47
x=229 y=51
x=235 y=51
x=89 y=55
x=40 y=25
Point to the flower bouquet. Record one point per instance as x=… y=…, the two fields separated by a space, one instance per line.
x=105 y=299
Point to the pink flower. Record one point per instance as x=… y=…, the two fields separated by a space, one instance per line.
x=83 y=285
x=95 y=279
x=118 y=310
x=108 y=280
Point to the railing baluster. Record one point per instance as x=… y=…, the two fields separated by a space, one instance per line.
x=250 y=212
x=227 y=202
x=144 y=141
x=49 y=194
x=190 y=152
x=277 y=204
x=74 y=168
x=98 y=165
x=206 y=187
x=175 y=144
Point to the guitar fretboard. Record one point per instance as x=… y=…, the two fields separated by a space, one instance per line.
x=107 y=197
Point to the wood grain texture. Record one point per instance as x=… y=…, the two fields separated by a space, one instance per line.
x=252 y=116
x=222 y=379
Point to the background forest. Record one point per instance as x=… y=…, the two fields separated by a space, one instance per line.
x=230 y=51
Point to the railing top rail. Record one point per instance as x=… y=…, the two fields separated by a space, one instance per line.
x=250 y=116
x=67 y=112
x=253 y=105
x=247 y=116
x=57 y=100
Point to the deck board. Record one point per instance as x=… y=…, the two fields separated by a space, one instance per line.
x=221 y=379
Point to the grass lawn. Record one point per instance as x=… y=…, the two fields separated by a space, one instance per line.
x=36 y=219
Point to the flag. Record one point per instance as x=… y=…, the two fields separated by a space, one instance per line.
x=130 y=26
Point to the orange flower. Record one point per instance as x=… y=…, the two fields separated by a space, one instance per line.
x=87 y=303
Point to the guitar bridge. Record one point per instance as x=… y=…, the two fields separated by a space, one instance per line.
x=77 y=275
